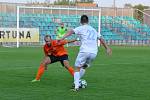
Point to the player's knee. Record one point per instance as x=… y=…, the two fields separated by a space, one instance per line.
x=46 y=61
x=77 y=69
x=66 y=65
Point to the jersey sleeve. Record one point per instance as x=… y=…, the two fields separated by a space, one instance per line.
x=77 y=30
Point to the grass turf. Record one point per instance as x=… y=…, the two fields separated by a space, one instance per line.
x=123 y=76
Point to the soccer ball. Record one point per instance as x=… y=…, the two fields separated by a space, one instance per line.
x=82 y=83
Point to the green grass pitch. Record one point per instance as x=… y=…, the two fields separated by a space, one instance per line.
x=123 y=76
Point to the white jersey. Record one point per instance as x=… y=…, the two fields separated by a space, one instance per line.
x=88 y=36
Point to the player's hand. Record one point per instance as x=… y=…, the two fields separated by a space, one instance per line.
x=109 y=51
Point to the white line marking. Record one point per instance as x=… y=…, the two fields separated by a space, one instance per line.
x=16 y=68
x=120 y=64
x=7 y=51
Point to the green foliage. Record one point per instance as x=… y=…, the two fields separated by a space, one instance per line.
x=69 y=2
x=63 y=2
x=138 y=14
x=140 y=7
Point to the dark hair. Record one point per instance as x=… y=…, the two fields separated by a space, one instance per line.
x=84 y=19
x=46 y=36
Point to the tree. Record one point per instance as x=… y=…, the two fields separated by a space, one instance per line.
x=63 y=2
x=138 y=14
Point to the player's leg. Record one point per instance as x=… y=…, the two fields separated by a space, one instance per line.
x=76 y=78
x=82 y=69
x=65 y=62
x=89 y=59
x=80 y=61
x=68 y=67
x=42 y=67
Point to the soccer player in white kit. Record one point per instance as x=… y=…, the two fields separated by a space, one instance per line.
x=89 y=47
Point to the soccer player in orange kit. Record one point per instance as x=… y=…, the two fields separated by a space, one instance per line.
x=54 y=51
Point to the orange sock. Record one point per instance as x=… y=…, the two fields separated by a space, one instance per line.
x=40 y=72
x=71 y=70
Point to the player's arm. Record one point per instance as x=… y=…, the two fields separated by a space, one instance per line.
x=70 y=32
x=70 y=41
x=63 y=42
x=108 y=50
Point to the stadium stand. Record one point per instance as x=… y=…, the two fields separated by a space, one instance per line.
x=113 y=28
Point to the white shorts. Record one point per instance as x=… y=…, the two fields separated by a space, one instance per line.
x=84 y=58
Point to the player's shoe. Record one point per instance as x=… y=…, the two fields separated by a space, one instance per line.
x=73 y=86
x=35 y=81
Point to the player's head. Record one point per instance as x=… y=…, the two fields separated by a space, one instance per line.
x=48 y=39
x=62 y=24
x=84 y=19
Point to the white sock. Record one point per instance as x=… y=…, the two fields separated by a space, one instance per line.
x=76 y=79
x=82 y=72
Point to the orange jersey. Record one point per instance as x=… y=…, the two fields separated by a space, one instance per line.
x=56 y=48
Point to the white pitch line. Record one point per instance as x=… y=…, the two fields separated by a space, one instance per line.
x=120 y=64
x=16 y=68
x=7 y=51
